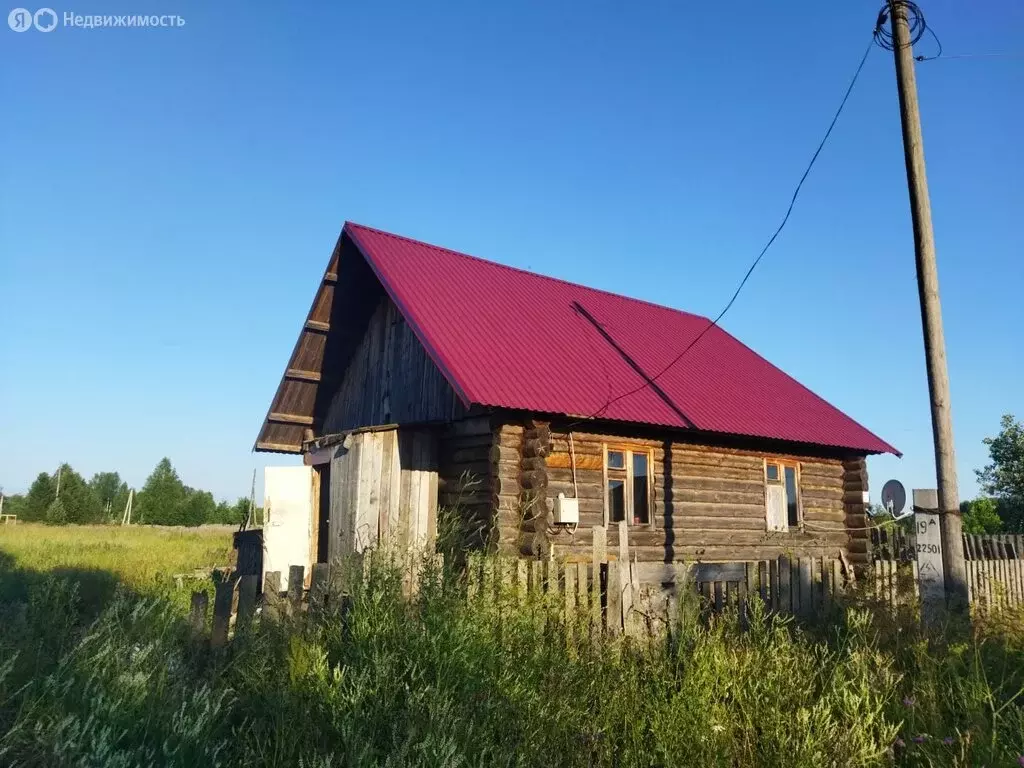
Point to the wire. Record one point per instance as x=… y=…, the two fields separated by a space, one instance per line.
x=648 y=382
x=975 y=56
x=915 y=21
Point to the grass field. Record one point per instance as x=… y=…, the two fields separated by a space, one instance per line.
x=142 y=559
x=113 y=678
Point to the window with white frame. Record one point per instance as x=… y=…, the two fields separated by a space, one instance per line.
x=782 y=495
x=629 y=491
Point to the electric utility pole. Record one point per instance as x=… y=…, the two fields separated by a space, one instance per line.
x=931 y=312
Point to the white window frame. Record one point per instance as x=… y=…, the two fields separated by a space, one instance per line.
x=628 y=451
x=783 y=464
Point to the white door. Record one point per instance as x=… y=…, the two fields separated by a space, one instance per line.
x=288 y=519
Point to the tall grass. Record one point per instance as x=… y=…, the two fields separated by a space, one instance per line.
x=442 y=680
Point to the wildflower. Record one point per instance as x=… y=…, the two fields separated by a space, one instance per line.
x=920 y=739
x=948 y=741
x=908 y=701
x=1020 y=761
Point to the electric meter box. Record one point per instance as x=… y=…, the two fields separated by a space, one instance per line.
x=567 y=511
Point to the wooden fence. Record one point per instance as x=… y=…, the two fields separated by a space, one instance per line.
x=613 y=594
x=897 y=543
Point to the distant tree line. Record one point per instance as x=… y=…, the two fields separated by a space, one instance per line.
x=66 y=497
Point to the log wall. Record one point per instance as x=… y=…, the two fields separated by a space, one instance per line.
x=708 y=502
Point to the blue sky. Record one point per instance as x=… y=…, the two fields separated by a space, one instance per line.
x=169 y=198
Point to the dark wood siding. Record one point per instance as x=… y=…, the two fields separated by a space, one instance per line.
x=709 y=501
x=390 y=379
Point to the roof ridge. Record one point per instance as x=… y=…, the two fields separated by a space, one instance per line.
x=528 y=272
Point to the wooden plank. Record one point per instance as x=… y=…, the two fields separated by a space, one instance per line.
x=719 y=597
x=785 y=585
x=775 y=585
x=318 y=585
x=289 y=418
x=569 y=598
x=317 y=325
x=806 y=589
x=613 y=615
x=599 y=544
x=719 y=571
x=272 y=595
x=367 y=510
x=295 y=447
x=748 y=588
x=582 y=589
x=390 y=477
x=197 y=614
x=223 y=595
x=764 y=583
x=296 y=580
x=301 y=375
x=246 y=601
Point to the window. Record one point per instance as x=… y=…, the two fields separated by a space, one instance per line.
x=782 y=495
x=628 y=490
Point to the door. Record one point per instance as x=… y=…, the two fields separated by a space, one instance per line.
x=288 y=515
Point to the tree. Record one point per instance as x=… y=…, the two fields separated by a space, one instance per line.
x=57 y=513
x=14 y=504
x=1003 y=477
x=81 y=505
x=981 y=516
x=112 y=493
x=162 y=499
x=39 y=498
x=199 y=507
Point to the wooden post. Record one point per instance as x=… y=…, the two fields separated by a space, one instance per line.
x=225 y=592
x=272 y=595
x=599 y=554
x=318 y=586
x=613 y=614
x=570 y=601
x=931 y=313
x=625 y=580
x=806 y=599
x=785 y=585
x=296 y=579
x=197 y=613
x=246 y=601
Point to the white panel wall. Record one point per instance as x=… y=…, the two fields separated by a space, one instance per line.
x=288 y=526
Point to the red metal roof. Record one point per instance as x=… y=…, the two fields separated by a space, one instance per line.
x=514 y=339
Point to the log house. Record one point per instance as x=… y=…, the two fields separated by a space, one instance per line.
x=508 y=392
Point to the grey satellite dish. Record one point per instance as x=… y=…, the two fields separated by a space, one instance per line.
x=894 y=497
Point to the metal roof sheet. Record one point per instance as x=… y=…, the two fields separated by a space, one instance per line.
x=514 y=339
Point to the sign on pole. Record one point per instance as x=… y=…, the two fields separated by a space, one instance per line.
x=930 y=575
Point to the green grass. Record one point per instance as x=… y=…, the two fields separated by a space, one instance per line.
x=439 y=681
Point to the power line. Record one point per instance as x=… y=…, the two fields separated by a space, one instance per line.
x=975 y=56
x=764 y=250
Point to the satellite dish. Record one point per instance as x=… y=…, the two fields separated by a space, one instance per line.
x=894 y=497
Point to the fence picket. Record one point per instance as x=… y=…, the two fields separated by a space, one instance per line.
x=223 y=595
x=197 y=613
x=806 y=594
x=272 y=595
x=785 y=585
x=613 y=614
x=246 y=601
